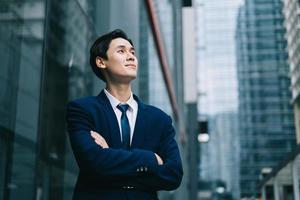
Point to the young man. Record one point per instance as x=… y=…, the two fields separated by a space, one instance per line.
x=124 y=148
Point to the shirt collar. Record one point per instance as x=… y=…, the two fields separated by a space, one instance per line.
x=115 y=102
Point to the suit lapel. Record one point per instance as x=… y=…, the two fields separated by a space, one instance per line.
x=112 y=120
x=140 y=124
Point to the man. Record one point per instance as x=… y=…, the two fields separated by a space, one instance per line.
x=124 y=148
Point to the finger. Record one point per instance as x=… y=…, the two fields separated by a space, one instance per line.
x=96 y=135
x=99 y=143
x=102 y=144
x=99 y=139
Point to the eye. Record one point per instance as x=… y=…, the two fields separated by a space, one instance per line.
x=133 y=52
x=120 y=51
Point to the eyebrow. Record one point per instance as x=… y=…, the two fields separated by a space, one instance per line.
x=124 y=47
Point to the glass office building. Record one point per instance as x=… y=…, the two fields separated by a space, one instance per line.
x=266 y=123
x=217 y=90
x=44 y=47
x=292 y=21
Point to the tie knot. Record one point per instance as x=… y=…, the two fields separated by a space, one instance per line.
x=123 y=107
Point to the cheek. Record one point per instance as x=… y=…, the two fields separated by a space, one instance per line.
x=136 y=62
x=116 y=64
x=120 y=59
x=115 y=58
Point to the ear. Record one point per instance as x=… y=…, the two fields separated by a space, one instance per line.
x=100 y=62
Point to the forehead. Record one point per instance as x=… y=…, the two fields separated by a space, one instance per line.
x=117 y=42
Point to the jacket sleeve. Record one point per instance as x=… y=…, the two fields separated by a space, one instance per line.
x=169 y=175
x=91 y=157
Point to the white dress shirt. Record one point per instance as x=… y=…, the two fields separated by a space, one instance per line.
x=131 y=112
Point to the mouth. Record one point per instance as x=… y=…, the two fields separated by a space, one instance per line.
x=132 y=66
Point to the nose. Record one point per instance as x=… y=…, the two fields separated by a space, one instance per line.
x=130 y=57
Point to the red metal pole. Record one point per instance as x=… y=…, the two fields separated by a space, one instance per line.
x=162 y=56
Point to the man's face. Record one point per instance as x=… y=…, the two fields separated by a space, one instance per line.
x=121 y=63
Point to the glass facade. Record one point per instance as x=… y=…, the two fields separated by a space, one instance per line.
x=292 y=21
x=45 y=67
x=22 y=27
x=217 y=90
x=44 y=47
x=151 y=77
x=266 y=122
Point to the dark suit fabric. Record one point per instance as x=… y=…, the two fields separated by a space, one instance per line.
x=115 y=173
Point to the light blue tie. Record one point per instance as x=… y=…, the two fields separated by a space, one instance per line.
x=125 y=126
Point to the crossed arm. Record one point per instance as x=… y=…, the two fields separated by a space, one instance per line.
x=102 y=142
x=94 y=155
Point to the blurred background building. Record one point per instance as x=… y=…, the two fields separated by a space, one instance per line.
x=44 y=48
x=217 y=94
x=284 y=178
x=266 y=122
x=291 y=12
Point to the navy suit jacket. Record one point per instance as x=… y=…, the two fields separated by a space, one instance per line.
x=116 y=173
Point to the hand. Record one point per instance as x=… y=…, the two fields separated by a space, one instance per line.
x=159 y=160
x=99 y=139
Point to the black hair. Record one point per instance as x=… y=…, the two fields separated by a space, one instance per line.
x=100 y=47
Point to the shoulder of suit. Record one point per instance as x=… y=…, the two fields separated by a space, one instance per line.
x=85 y=101
x=157 y=112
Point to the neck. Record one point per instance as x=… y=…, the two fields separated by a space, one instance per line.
x=121 y=91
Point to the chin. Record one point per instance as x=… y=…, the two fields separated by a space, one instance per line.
x=133 y=77
x=129 y=77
